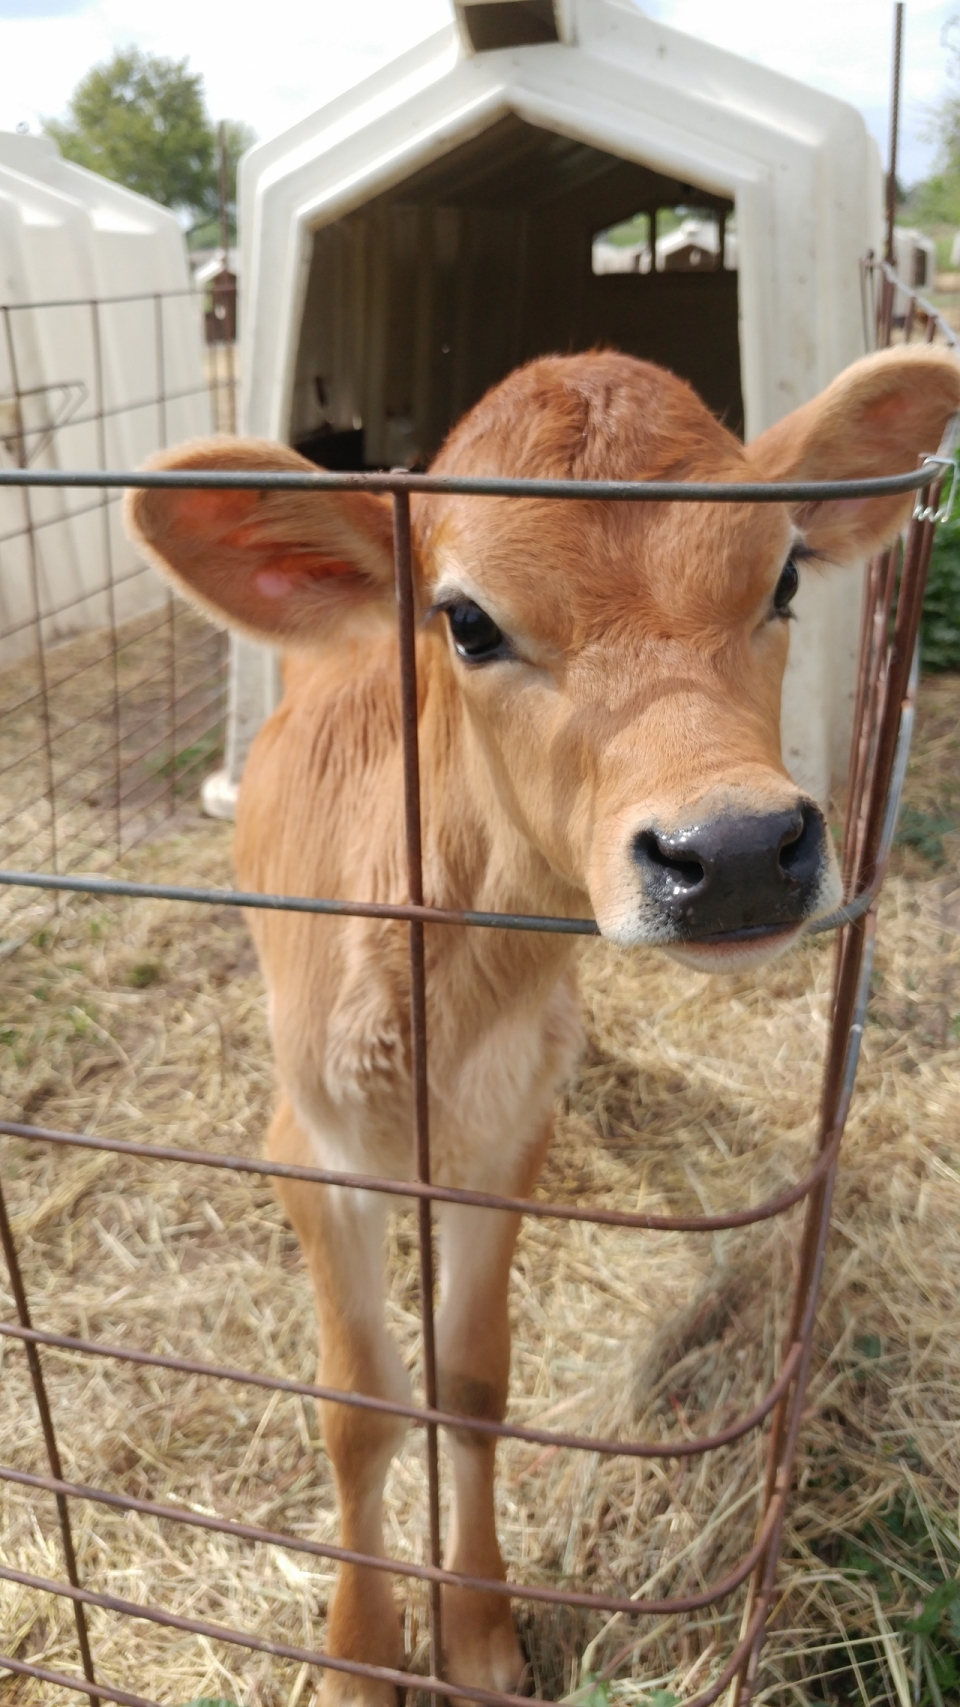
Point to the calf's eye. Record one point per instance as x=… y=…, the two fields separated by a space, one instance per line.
x=475 y=634
x=786 y=588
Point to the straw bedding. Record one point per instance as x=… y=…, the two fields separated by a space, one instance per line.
x=147 y=1020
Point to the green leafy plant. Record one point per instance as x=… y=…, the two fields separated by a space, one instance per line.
x=142 y=121
x=596 y=1691
x=895 y=1548
x=936 y=1633
x=940 y=629
x=208 y=1701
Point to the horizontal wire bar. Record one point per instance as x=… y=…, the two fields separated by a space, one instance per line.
x=99 y=592
x=607 y=1603
x=421 y=1415
x=24 y=1668
x=38 y=522
x=182 y=781
x=214 y=694
x=483 y=486
x=65 y=799
x=151 y=296
x=365 y=909
x=402 y=1680
x=298 y=903
x=596 y=1217
x=101 y=658
x=114 y=409
x=348 y=1556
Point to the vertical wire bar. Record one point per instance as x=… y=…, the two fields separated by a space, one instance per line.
x=867 y=650
x=161 y=367
x=885 y=313
x=877 y=681
x=854 y=960
x=49 y=1438
x=34 y=570
x=894 y=127
x=108 y=561
x=403 y=563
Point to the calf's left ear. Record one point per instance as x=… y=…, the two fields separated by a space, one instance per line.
x=280 y=565
x=876 y=418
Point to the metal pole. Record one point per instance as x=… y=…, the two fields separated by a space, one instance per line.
x=224 y=221
x=894 y=127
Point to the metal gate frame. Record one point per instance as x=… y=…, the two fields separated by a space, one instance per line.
x=882 y=728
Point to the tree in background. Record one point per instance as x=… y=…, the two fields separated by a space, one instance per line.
x=937 y=200
x=142 y=121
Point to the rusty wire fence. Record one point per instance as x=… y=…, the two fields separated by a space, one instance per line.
x=112 y=692
x=887 y=681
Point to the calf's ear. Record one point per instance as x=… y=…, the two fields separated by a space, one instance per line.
x=278 y=565
x=876 y=418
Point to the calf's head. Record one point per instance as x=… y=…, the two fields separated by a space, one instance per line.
x=619 y=665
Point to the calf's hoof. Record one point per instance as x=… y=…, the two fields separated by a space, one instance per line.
x=480 y=1642
x=364 y=1627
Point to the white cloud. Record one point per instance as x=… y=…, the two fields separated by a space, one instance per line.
x=273 y=64
x=270 y=65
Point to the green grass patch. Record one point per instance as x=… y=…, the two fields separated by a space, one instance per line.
x=924 y=832
x=940 y=628
x=901 y=1553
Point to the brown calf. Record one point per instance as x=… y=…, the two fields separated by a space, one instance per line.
x=600 y=732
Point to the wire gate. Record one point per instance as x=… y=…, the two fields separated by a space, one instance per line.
x=884 y=710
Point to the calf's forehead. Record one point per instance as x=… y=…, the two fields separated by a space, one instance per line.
x=570 y=571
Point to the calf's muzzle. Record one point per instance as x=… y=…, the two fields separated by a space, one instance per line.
x=735 y=874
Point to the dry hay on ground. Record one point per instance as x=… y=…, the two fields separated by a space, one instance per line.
x=100 y=742
x=147 y=1020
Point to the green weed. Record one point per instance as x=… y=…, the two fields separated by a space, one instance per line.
x=893 y=1550
x=924 y=831
x=148 y=972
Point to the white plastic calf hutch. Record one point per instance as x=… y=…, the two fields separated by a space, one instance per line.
x=414 y=240
x=101 y=361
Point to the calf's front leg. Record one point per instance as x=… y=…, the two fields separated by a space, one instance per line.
x=341 y=1235
x=473 y=1362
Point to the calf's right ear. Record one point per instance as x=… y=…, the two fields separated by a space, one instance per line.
x=279 y=565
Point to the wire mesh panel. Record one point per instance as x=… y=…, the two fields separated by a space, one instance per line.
x=111 y=692
x=686 y=1588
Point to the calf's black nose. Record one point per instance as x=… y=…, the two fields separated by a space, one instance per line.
x=735 y=872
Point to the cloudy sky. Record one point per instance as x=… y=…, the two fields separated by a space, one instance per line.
x=271 y=65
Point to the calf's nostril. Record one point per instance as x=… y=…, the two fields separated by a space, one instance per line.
x=801 y=847
x=685 y=874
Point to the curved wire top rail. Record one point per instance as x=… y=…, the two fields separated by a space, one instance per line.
x=486 y=486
